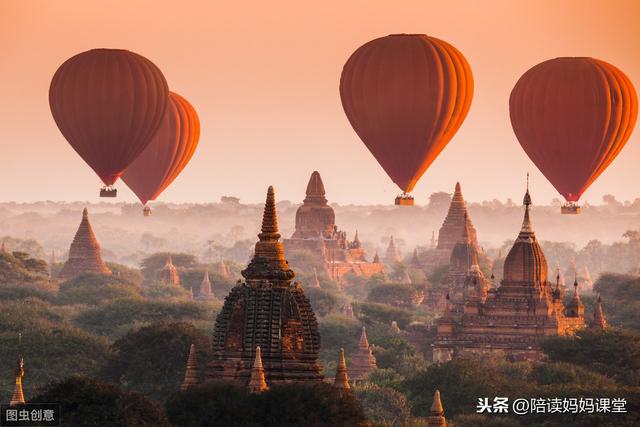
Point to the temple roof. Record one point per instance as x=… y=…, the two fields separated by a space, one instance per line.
x=314 y=218
x=456 y=218
x=315 y=190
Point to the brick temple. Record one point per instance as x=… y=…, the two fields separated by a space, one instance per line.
x=317 y=233
x=84 y=253
x=169 y=274
x=268 y=310
x=509 y=320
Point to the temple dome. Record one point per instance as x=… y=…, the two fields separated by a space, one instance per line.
x=526 y=261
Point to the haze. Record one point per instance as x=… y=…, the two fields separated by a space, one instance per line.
x=264 y=79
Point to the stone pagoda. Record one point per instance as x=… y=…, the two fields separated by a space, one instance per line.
x=363 y=362
x=509 y=321
x=436 y=413
x=341 y=380
x=191 y=377
x=267 y=310
x=392 y=255
x=452 y=227
x=257 y=382
x=317 y=233
x=599 y=321
x=205 y=292
x=84 y=253
x=169 y=274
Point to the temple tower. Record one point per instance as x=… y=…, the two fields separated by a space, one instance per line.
x=191 y=373
x=169 y=274
x=436 y=414
x=222 y=269
x=268 y=310
x=392 y=255
x=206 y=291
x=84 y=253
x=341 y=381
x=315 y=217
x=599 y=321
x=457 y=217
x=257 y=383
x=363 y=361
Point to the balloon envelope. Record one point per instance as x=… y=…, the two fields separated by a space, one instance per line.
x=108 y=103
x=572 y=117
x=168 y=152
x=406 y=95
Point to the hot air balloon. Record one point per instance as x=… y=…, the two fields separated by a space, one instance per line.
x=167 y=154
x=406 y=95
x=108 y=103
x=572 y=117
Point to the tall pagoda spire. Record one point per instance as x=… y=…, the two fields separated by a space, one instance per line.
x=169 y=273
x=599 y=320
x=268 y=261
x=222 y=269
x=526 y=232
x=436 y=413
x=84 y=253
x=457 y=217
x=316 y=281
x=191 y=373
x=356 y=240
x=376 y=258
x=575 y=308
x=341 y=381
x=257 y=382
x=206 y=291
x=392 y=255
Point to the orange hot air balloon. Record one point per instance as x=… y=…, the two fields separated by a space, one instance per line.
x=572 y=117
x=406 y=95
x=168 y=152
x=108 y=104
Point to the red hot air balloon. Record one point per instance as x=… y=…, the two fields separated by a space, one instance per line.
x=168 y=152
x=406 y=95
x=572 y=117
x=108 y=103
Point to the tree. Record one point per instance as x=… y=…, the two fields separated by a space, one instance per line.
x=382 y=405
x=88 y=402
x=93 y=289
x=322 y=301
x=395 y=294
x=439 y=201
x=17 y=268
x=621 y=298
x=152 y=360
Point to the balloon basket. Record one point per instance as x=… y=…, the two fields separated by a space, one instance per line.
x=570 y=209
x=108 y=192
x=146 y=211
x=404 y=200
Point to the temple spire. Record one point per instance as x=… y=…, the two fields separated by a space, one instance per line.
x=316 y=281
x=376 y=258
x=191 y=373
x=341 y=381
x=257 y=382
x=364 y=341
x=268 y=262
x=315 y=190
x=526 y=232
x=436 y=414
x=206 y=291
x=599 y=321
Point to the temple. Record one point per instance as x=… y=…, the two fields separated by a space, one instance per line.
x=268 y=310
x=169 y=274
x=257 y=382
x=456 y=220
x=392 y=255
x=341 y=381
x=363 y=362
x=508 y=321
x=191 y=373
x=316 y=232
x=222 y=269
x=205 y=292
x=84 y=253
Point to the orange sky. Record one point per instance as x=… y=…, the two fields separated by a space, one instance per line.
x=264 y=79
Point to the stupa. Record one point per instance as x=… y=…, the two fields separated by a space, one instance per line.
x=191 y=373
x=599 y=321
x=84 y=253
x=169 y=274
x=205 y=292
x=267 y=310
x=317 y=233
x=436 y=413
x=341 y=381
x=511 y=319
x=363 y=362
x=257 y=382
x=392 y=255
x=222 y=269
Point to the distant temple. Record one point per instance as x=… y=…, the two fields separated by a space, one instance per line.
x=169 y=274
x=222 y=269
x=509 y=320
x=599 y=321
x=341 y=380
x=452 y=228
x=84 y=253
x=392 y=255
x=363 y=362
x=205 y=291
x=436 y=413
x=317 y=233
x=268 y=310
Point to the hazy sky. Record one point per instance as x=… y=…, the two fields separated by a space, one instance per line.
x=264 y=79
